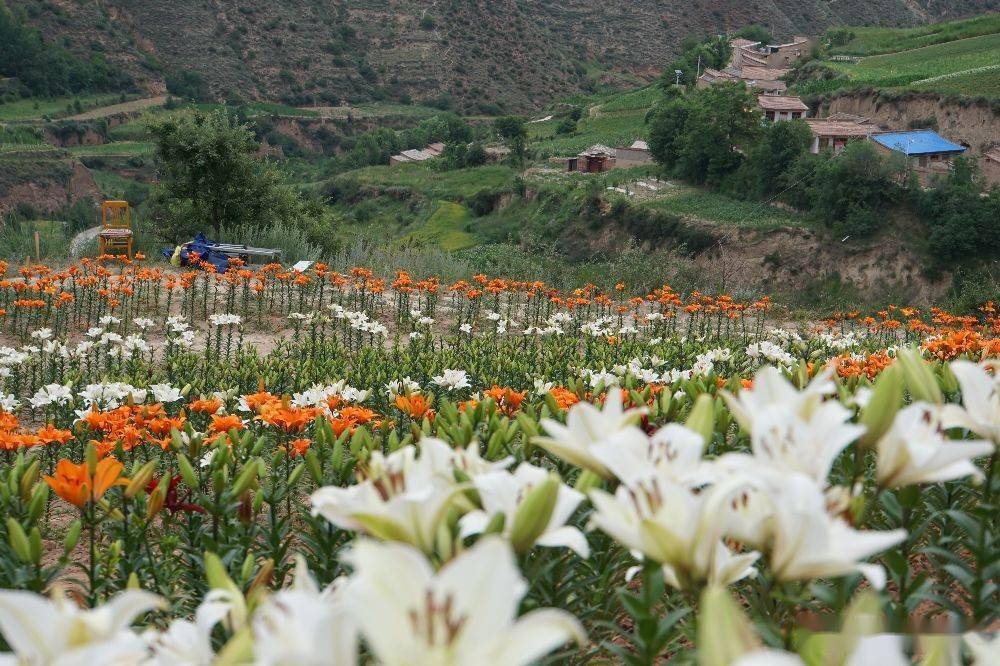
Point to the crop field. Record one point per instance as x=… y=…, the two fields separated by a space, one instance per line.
x=718 y=208
x=265 y=466
x=876 y=41
x=618 y=128
x=899 y=69
x=425 y=180
x=57 y=107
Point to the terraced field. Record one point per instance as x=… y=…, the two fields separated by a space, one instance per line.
x=969 y=55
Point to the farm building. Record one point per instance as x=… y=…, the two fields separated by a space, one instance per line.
x=928 y=153
x=779 y=107
x=754 y=54
x=762 y=78
x=596 y=159
x=834 y=132
x=635 y=155
x=408 y=156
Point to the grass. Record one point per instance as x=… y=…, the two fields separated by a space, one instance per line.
x=446 y=228
x=123 y=148
x=116 y=186
x=876 y=41
x=643 y=98
x=718 y=208
x=56 y=107
x=424 y=180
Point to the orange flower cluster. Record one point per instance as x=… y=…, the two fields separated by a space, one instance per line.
x=508 y=400
x=870 y=366
x=416 y=406
x=962 y=343
x=130 y=426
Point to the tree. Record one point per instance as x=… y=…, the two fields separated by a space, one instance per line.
x=765 y=172
x=755 y=33
x=697 y=53
x=962 y=220
x=722 y=122
x=512 y=131
x=666 y=126
x=187 y=84
x=566 y=126
x=211 y=178
x=852 y=189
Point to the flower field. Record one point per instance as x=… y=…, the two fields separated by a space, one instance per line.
x=331 y=468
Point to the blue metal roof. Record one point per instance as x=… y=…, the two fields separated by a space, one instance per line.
x=918 y=142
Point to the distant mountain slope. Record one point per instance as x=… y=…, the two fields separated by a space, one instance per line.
x=471 y=54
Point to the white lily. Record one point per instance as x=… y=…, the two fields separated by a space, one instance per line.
x=808 y=543
x=586 y=427
x=403 y=498
x=464 y=614
x=673 y=450
x=190 y=643
x=57 y=631
x=985 y=649
x=504 y=493
x=915 y=450
x=305 y=625
x=794 y=430
x=676 y=527
x=980 y=397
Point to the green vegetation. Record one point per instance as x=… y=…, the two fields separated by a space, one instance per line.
x=618 y=129
x=907 y=67
x=446 y=228
x=876 y=41
x=426 y=181
x=54 y=107
x=714 y=207
x=48 y=69
x=115 y=148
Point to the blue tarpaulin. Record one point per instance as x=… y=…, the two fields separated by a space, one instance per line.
x=206 y=250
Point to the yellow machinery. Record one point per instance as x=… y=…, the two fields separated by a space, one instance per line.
x=116 y=228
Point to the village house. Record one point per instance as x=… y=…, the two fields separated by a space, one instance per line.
x=596 y=159
x=635 y=155
x=926 y=152
x=754 y=54
x=409 y=156
x=779 y=107
x=762 y=78
x=837 y=130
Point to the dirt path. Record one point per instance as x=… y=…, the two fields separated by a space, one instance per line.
x=124 y=107
x=79 y=242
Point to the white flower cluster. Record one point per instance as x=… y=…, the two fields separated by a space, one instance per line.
x=359 y=321
x=318 y=395
x=766 y=351
x=225 y=319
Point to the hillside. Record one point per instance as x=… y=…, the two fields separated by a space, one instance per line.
x=468 y=54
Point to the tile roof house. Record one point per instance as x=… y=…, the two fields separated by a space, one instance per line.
x=635 y=155
x=596 y=159
x=779 y=107
x=834 y=132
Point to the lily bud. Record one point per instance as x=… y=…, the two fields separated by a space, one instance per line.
x=886 y=399
x=140 y=479
x=18 y=541
x=72 y=536
x=919 y=377
x=155 y=502
x=28 y=479
x=534 y=514
x=35 y=541
x=314 y=467
x=133 y=582
x=91 y=457
x=39 y=498
x=702 y=417
x=247 y=478
x=724 y=632
x=187 y=471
